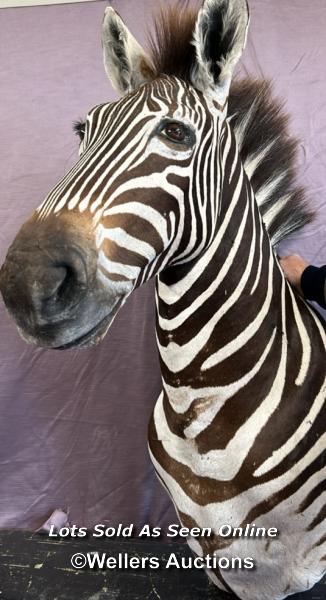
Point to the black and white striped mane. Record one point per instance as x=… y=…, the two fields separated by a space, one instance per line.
x=267 y=150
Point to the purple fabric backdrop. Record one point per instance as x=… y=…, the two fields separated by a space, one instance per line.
x=73 y=424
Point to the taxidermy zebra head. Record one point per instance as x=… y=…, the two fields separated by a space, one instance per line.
x=151 y=188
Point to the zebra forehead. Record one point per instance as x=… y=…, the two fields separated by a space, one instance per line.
x=166 y=96
x=168 y=90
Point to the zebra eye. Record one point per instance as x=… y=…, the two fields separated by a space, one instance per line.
x=79 y=129
x=175 y=132
x=178 y=133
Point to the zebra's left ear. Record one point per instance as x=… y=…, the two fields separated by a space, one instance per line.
x=219 y=38
x=126 y=64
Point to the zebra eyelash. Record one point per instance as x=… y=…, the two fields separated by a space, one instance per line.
x=79 y=128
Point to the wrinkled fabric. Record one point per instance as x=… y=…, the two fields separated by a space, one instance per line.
x=55 y=522
x=73 y=424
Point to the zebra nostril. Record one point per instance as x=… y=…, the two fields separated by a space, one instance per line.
x=67 y=284
x=62 y=284
x=62 y=291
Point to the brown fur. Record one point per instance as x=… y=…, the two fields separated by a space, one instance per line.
x=171 y=48
x=269 y=122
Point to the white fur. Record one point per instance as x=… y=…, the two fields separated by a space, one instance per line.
x=236 y=16
x=135 y=55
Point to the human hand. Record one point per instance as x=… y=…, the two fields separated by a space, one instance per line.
x=293 y=267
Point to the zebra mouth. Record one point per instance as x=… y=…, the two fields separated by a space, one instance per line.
x=94 y=335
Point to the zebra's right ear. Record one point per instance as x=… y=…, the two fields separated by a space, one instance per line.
x=126 y=64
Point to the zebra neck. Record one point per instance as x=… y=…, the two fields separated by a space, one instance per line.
x=220 y=322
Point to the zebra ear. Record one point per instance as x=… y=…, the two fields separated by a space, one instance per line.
x=126 y=63
x=219 y=38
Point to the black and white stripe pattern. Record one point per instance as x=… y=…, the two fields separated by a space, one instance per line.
x=237 y=433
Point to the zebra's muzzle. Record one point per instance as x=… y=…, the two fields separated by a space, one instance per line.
x=50 y=285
